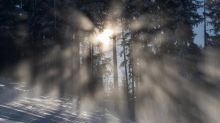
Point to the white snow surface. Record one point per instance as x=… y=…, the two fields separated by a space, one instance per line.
x=21 y=103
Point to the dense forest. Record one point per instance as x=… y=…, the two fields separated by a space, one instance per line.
x=56 y=44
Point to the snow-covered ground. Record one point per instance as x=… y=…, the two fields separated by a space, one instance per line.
x=21 y=103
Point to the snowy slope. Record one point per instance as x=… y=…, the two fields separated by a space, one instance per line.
x=22 y=103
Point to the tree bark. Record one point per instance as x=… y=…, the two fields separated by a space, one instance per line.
x=126 y=75
x=116 y=99
x=132 y=62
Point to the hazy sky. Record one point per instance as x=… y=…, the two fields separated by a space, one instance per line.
x=199 y=39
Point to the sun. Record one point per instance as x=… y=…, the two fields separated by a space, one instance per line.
x=105 y=36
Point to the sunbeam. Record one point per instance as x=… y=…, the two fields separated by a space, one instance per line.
x=109 y=61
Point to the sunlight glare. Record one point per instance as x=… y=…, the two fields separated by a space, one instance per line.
x=105 y=36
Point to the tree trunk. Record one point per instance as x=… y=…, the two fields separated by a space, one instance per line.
x=205 y=41
x=116 y=99
x=6 y=58
x=135 y=61
x=91 y=57
x=126 y=75
x=73 y=63
x=132 y=63
x=78 y=58
x=90 y=54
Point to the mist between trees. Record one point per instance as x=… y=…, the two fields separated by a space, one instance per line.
x=166 y=76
